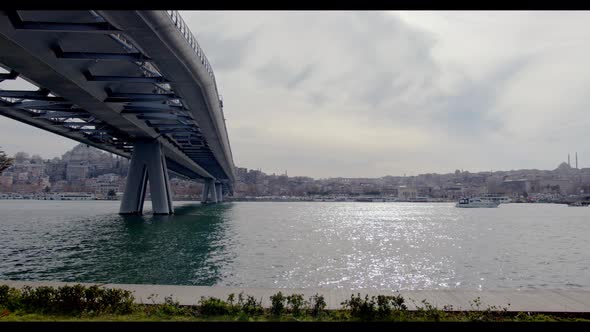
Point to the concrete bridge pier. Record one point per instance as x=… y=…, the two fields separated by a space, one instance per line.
x=219 y=192
x=209 y=189
x=147 y=162
x=205 y=195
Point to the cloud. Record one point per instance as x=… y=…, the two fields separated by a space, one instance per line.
x=338 y=84
x=373 y=93
x=470 y=112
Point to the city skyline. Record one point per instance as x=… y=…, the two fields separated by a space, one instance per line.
x=87 y=172
x=573 y=164
x=404 y=92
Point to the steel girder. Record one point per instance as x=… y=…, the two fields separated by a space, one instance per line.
x=157 y=109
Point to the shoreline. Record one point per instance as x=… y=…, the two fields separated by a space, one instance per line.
x=509 y=300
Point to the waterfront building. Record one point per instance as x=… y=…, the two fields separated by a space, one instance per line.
x=406 y=193
x=23 y=176
x=562 y=186
x=77 y=171
x=6 y=182
x=454 y=192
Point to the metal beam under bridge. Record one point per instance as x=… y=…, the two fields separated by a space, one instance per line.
x=133 y=83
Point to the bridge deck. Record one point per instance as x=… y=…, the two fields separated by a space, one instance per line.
x=550 y=300
x=111 y=78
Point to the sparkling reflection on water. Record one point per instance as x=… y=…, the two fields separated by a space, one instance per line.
x=298 y=245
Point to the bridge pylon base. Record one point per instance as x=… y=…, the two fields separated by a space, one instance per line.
x=219 y=192
x=147 y=163
x=211 y=192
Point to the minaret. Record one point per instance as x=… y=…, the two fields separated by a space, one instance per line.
x=576 y=160
x=568 y=160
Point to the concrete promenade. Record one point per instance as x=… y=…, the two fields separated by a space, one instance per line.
x=557 y=300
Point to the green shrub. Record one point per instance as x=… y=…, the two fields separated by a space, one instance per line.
x=528 y=317
x=40 y=299
x=78 y=299
x=383 y=305
x=317 y=305
x=234 y=308
x=214 y=307
x=170 y=307
x=397 y=301
x=359 y=307
x=491 y=313
x=525 y=317
x=93 y=298
x=240 y=302
x=70 y=299
x=295 y=303
x=4 y=289
x=277 y=304
x=251 y=307
x=10 y=298
x=67 y=299
x=231 y=298
x=117 y=300
x=387 y=304
x=430 y=312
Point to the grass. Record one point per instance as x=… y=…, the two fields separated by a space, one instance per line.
x=80 y=303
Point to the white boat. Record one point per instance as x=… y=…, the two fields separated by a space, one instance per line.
x=579 y=203
x=73 y=196
x=496 y=198
x=476 y=202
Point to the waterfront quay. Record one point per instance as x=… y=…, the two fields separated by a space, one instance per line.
x=511 y=300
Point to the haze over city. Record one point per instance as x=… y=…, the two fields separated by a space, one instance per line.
x=375 y=93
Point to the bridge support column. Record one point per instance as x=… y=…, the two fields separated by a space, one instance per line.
x=213 y=191
x=205 y=195
x=219 y=192
x=147 y=162
x=209 y=189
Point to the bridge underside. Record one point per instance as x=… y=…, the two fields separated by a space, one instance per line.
x=147 y=163
x=96 y=84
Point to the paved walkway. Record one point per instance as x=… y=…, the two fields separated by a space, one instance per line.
x=514 y=300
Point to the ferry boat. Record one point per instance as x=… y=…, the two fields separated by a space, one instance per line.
x=328 y=199
x=579 y=203
x=476 y=202
x=496 y=198
x=73 y=196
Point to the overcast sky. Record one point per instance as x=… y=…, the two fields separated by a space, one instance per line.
x=353 y=94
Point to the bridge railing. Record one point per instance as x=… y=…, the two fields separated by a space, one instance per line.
x=190 y=38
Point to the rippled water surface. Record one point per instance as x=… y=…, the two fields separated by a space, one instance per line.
x=298 y=245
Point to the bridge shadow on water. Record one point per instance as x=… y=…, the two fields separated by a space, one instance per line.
x=189 y=247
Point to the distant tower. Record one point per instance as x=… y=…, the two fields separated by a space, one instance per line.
x=576 y=160
x=568 y=160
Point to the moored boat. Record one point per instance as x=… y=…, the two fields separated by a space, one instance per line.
x=476 y=202
x=579 y=203
x=496 y=198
